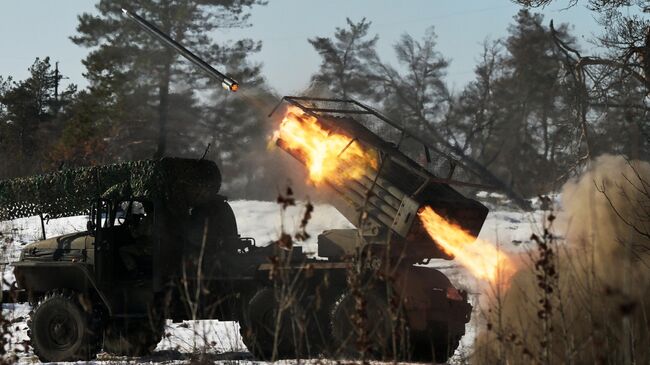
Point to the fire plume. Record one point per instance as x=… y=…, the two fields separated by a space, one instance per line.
x=338 y=158
x=327 y=155
x=480 y=257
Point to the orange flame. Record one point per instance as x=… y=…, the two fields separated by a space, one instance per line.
x=337 y=158
x=326 y=154
x=480 y=257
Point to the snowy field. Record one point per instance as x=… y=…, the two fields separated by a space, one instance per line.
x=509 y=229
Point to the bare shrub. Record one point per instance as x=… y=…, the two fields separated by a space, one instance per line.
x=583 y=299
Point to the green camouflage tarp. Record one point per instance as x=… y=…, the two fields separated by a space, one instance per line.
x=66 y=193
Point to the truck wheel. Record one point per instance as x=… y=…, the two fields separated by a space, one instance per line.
x=258 y=330
x=434 y=344
x=319 y=332
x=133 y=337
x=61 y=330
x=378 y=329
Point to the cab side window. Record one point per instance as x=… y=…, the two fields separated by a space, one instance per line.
x=135 y=216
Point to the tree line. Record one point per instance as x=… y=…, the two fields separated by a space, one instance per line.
x=536 y=111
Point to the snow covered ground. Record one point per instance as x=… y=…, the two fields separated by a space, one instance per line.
x=509 y=229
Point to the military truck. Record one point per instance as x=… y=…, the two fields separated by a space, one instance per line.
x=162 y=244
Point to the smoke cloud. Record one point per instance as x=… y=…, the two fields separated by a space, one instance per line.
x=598 y=291
x=271 y=170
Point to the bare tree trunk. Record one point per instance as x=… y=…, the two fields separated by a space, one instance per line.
x=645 y=59
x=163 y=87
x=163 y=111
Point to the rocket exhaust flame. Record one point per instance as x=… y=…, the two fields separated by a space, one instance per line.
x=480 y=257
x=327 y=155
x=344 y=163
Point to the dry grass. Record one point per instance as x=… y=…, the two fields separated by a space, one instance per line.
x=582 y=299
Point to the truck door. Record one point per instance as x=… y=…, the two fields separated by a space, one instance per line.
x=104 y=251
x=134 y=237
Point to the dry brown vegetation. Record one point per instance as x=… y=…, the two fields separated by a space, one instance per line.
x=583 y=298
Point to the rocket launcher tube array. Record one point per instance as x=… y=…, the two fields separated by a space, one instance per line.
x=375 y=195
x=378 y=187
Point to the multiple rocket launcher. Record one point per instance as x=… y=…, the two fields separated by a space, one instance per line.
x=382 y=200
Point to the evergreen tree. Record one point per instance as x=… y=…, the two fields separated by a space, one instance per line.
x=613 y=103
x=415 y=93
x=30 y=118
x=238 y=125
x=86 y=131
x=344 y=66
x=518 y=117
x=621 y=122
x=473 y=113
x=538 y=121
x=145 y=78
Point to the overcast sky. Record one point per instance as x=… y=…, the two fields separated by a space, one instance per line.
x=39 y=28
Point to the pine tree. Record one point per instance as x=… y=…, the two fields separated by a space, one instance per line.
x=418 y=95
x=415 y=95
x=472 y=117
x=518 y=117
x=537 y=120
x=344 y=66
x=30 y=120
x=144 y=77
x=86 y=130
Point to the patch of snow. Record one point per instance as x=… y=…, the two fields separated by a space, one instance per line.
x=263 y=221
x=193 y=336
x=490 y=194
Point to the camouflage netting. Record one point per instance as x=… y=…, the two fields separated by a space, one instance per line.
x=71 y=192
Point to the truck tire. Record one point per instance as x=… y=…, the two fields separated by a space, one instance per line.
x=61 y=330
x=435 y=344
x=258 y=329
x=319 y=331
x=133 y=337
x=345 y=333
